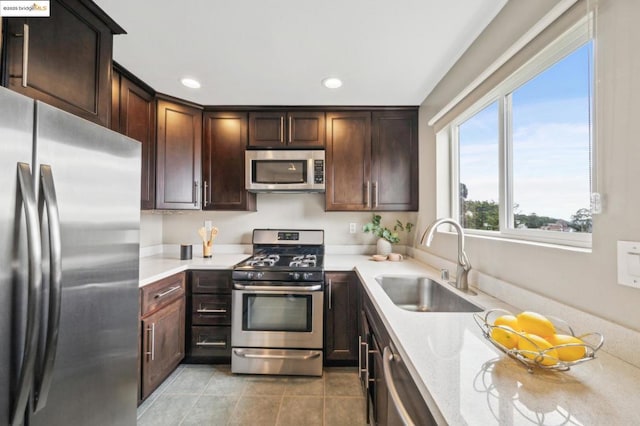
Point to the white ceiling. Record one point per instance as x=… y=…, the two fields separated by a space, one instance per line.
x=276 y=52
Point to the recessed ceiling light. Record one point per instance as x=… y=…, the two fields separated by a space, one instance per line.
x=332 y=82
x=190 y=83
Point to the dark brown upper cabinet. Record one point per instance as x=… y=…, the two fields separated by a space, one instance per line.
x=285 y=130
x=63 y=60
x=372 y=160
x=134 y=114
x=394 y=160
x=348 y=161
x=178 y=165
x=225 y=140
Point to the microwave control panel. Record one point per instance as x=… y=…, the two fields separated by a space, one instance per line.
x=318 y=171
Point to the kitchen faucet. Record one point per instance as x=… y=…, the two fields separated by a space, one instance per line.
x=464 y=266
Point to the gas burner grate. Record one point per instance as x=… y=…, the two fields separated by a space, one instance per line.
x=304 y=261
x=264 y=260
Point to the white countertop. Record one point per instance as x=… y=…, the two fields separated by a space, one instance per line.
x=464 y=379
x=154 y=268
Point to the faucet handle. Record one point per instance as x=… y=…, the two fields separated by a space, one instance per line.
x=444 y=274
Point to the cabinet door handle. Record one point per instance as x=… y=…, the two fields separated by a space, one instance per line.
x=164 y=293
x=376 y=194
x=152 y=352
x=281 y=129
x=330 y=296
x=290 y=129
x=387 y=357
x=218 y=344
x=211 y=311
x=368 y=195
x=363 y=366
x=196 y=193
x=204 y=196
x=25 y=55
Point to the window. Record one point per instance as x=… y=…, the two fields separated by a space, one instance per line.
x=479 y=191
x=522 y=154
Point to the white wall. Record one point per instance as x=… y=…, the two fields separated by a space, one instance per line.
x=150 y=229
x=274 y=211
x=587 y=281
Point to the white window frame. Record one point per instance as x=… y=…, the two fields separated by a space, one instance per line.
x=571 y=40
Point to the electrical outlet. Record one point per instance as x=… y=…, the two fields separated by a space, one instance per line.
x=352 y=228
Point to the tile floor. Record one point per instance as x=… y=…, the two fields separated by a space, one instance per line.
x=210 y=395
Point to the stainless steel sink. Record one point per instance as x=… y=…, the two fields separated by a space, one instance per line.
x=422 y=294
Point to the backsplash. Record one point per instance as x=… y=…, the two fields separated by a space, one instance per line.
x=305 y=211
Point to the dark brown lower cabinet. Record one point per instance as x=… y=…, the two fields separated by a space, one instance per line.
x=375 y=344
x=209 y=319
x=162 y=326
x=341 y=319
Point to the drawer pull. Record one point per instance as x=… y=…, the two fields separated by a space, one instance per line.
x=165 y=293
x=211 y=311
x=219 y=344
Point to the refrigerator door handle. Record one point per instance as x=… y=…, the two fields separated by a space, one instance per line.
x=49 y=199
x=25 y=381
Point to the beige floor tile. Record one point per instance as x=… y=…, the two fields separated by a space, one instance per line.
x=301 y=386
x=211 y=410
x=265 y=385
x=301 y=410
x=256 y=410
x=227 y=385
x=341 y=411
x=342 y=383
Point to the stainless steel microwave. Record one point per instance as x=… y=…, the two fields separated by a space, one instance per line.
x=285 y=171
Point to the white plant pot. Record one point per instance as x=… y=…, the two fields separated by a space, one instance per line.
x=383 y=247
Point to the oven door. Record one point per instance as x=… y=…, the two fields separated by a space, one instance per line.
x=266 y=315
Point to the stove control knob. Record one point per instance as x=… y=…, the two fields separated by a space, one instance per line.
x=249 y=275
x=295 y=275
x=259 y=275
x=306 y=276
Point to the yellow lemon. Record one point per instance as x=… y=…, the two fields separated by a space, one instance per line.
x=531 y=322
x=505 y=336
x=568 y=353
x=534 y=345
x=508 y=320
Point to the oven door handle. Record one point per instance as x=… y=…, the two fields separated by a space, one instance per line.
x=260 y=288
x=243 y=354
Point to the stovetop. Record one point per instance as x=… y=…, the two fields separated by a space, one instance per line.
x=284 y=255
x=283 y=261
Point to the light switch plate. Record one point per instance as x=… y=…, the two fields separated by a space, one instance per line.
x=629 y=263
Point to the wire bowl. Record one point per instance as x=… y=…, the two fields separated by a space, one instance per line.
x=542 y=358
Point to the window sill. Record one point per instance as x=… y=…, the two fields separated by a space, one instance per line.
x=491 y=236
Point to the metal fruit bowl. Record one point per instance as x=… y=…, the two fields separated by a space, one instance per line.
x=592 y=342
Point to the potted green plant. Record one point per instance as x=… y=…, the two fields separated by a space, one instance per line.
x=386 y=237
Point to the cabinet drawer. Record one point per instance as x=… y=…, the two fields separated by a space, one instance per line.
x=160 y=293
x=211 y=309
x=211 y=281
x=211 y=341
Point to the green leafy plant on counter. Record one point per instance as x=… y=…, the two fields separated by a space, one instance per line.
x=383 y=232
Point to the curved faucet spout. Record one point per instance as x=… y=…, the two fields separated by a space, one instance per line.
x=464 y=266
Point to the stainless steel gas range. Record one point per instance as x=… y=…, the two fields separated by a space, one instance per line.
x=277 y=303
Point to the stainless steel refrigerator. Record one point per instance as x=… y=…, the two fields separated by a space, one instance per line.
x=69 y=257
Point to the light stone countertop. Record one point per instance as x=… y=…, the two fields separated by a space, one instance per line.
x=154 y=268
x=464 y=379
